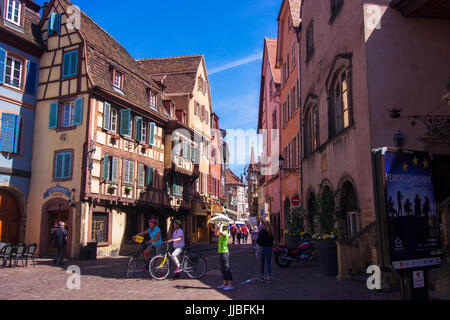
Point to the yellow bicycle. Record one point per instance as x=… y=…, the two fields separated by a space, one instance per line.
x=193 y=264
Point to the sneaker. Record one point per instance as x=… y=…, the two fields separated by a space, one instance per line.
x=229 y=288
x=178 y=270
x=221 y=287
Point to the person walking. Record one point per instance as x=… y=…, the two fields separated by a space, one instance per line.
x=233 y=231
x=254 y=234
x=178 y=245
x=238 y=235
x=223 y=234
x=265 y=241
x=244 y=234
x=59 y=236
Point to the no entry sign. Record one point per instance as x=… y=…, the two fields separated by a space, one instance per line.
x=295 y=201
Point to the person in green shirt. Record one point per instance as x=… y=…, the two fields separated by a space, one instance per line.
x=223 y=234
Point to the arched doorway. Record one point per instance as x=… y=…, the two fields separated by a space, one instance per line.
x=349 y=221
x=9 y=218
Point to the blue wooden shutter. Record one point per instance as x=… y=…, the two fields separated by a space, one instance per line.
x=150 y=177
x=8 y=131
x=59 y=166
x=54 y=24
x=125 y=122
x=58 y=24
x=67 y=164
x=18 y=120
x=30 y=86
x=70 y=64
x=138 y=133
x=74 y=63
x=66 y=64
x=151 y=134
x=78 y=118
x=107 y=116
x=105 y=167
x=2 y=65
x=115 y=167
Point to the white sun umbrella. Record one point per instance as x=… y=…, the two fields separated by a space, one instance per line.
x=221 y=219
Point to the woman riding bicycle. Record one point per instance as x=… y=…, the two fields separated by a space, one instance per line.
x=178 y=244
x=155 y=239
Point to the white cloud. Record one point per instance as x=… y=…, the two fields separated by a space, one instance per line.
x=237 y=63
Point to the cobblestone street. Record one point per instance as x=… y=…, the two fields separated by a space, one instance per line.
x=104 y=279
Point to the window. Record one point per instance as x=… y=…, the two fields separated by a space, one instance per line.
x=110 y=168
x=14 y=11
x=141 y=175
x=294 y=54
x=128 y=167
x=70 y=64
x=153 y=100
x=144 y=132
x=117 y=79
x=68 y=115
x=197 y=109
x=113 y=120
x=309 y=42
x=150 y=177
x=13 y=72
x=109 y=118
x=311 y=128
x=10 y=135
x=151 y=133
x=342 y=105
x=99 y=227
x=63 y=165
x=126 y=122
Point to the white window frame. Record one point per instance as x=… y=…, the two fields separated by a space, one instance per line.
x=144 y=131
x=118 y=76
x=71 y=115
x=114 y=117
x=13 y=4
x=11 y=75
x=152 y=100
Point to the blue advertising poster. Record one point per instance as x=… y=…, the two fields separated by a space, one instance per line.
x=413 y=224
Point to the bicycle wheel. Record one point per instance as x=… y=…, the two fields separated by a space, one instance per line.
x=159 y=267
x=195 y=267
x=131 y=266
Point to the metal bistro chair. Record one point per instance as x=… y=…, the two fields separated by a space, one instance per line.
x=17 y=254
x=29 y=253
x=5 y=254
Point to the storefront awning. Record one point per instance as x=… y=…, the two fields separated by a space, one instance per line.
x=232 y=214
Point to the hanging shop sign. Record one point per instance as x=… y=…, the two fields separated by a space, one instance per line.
x=58 y=189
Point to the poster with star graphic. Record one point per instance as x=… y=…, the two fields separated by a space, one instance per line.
x=413 y=224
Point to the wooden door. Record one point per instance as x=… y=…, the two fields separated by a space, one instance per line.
x=9 y=218
x=54 y=217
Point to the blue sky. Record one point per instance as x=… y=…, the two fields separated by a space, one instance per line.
x=229 y=33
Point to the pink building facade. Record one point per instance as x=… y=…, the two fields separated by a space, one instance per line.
x=360 y=59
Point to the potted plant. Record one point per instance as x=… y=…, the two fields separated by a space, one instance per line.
x=325 y=242
x=294 y=228
x=128 y=190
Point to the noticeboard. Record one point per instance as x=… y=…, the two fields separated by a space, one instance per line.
x=412 y=220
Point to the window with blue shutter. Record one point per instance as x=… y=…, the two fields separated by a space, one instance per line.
x=107 y=116
x=8 y=140
x=53 y=116
x=151 y=134
x=2 y=65
x=106 y=168
x=70 y=64
x=18 y=120
x=30 y=86
x=125 y=116
x=150 y=172
x=63 y=165
x=78 y=114
x=138 y=129
x=54 y=25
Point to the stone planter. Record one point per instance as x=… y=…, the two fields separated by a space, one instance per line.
x=327 y=250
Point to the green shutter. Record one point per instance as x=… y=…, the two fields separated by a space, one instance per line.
x=2 y=65
x=138 y=133
x=17 y=134
x=67 y=164
x=30 y=86
x=150 y=172
x=74 y=63
x=151 y=134
x=70 y=64
x=107 y=116
x=8 y=131
x=78 y=118
x=125 y=122
x=59 y=166
x=53 y=116
x=105 y=167
x=115 y=168
x=54 y=24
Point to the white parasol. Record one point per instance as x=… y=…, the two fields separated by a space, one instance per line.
x=221 y=219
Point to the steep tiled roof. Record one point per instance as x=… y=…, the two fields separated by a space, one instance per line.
x=271 y=45
x=104 y=53
x=31 y=30
x=180 y=72
x=231 y=178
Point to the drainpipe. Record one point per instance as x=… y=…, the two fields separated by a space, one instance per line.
x=297 y=31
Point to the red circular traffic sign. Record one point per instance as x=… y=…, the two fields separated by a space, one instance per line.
x=295 y=201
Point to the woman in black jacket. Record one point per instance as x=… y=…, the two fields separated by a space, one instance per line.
x=265 y=241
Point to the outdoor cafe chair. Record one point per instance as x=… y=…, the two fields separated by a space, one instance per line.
x=5 y=254
x=18 y=253
x=29 y=254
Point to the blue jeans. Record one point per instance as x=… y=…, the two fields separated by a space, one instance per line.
x=266 y=256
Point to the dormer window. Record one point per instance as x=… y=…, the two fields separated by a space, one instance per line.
x=14 y=11
x=152 y=100
x=117 y=79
